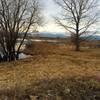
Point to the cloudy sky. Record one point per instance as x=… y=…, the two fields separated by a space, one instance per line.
x=50 y=9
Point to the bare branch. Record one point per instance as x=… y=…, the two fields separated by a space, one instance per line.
x=17 y=16
x=80 y=15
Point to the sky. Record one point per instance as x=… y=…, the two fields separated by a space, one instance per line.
x=49 y=10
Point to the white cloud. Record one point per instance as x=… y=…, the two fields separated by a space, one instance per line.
x=51 y=27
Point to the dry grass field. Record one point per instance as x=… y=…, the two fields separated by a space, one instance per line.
x=54 y=72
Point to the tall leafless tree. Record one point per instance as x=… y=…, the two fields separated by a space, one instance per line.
x=17 y=17
x=77 y=17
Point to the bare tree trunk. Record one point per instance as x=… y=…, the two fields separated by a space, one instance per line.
x=77 y=45
x=77 y=41
x=17 y=56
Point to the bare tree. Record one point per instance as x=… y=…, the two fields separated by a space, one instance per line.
x=77 y=17
x=17 y=17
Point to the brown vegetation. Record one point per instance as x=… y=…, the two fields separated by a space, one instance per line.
x=54 y=69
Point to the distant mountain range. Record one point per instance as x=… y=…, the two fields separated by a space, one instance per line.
x=60 y=35
x=51 y=35
x=97 y=37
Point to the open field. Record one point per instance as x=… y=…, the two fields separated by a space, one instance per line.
x=52 y=68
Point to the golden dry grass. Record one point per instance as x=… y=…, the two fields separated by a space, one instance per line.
x=49 y=62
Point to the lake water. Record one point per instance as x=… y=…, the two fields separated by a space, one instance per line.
x=23 y=56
